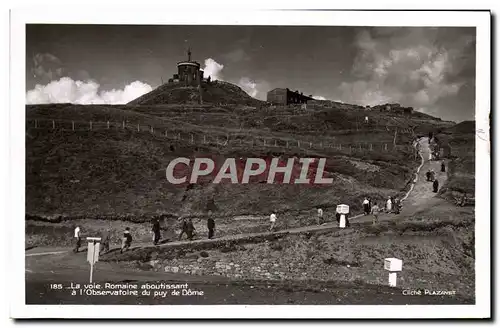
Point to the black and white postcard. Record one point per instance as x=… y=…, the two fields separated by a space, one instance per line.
x=250 y=164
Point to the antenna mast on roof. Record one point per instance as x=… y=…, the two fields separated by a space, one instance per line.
x=189 y=54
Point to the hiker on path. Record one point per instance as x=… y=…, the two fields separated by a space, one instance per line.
x=272 y=220
x=375 y=213
x=366 y=206
x=78 y=239
x=190 y=230
x=397 y=205
x=211 y=227
x=320 y=216
x=433 y=175
x=105 y=239
x=126 y=240
x=388 y=205
x=435 y=186
x=369 y=204
x=156 y=230
x=428 y=175
x=183 y=227
x=443 y=167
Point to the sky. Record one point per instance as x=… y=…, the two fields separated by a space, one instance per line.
x=430 y=69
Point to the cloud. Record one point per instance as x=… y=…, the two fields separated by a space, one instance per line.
x=411 y=66
x=66 y=90
x=213 y=69
x=46 y=67
x=319 y=97
x=256 y=89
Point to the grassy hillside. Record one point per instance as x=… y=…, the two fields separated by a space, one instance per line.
x=120 y=172
x=461 y=167
x=214 y=92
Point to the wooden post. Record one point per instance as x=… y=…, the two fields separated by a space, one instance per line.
x=205 y=139
x=321 y=145
x=90 y=125
x=340 y=146
x=275 y=143
x=138 y=129
x=179 y=136
x=371 y=147
x=287 y=144
x=36 y=124
x=385 y=146
x=192 y=138
x=53 y=124
x=123 y=125
x=310 y=144
x=166 y=133
x=240 y=142
x=108 y=124
x=73 y=125
x=151 y=129
x=298 y=143
x=395 y=134
x=264 y=142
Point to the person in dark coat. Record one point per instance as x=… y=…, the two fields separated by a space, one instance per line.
x=156 y=231
x=428 y=175
x=106 y=238
x=211 y=227
x=443 y=167
x=190 y=230
x=183 y=228
x=435 y=185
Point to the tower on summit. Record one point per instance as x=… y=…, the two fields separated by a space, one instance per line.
x=189 y=72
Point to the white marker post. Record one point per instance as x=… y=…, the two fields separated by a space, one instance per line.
x=393 y=265
x=93 y=253
x=343 y=210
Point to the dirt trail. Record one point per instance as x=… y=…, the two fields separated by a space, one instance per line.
x=420 y=196
x=422 y=192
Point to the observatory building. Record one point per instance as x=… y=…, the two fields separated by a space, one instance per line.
x=188 y=72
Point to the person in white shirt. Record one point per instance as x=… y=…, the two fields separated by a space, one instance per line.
x=78 y=240
x=320 y=216
x=366 y=206
x=272 y=219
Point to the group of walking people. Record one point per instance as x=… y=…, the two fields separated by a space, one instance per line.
x=187 y=227
x=431 y=177
x=392 y=205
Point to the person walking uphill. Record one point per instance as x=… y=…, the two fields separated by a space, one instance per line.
x=375 y=213
x=183 y=227
x=388 y=206
x=272 y=220
x=211 y=227
x=320 y=216
x=435 y=186
x=126 y=240
x=443 y=167
x=366 y=206
x=156 y=229
x=106 y=237
x=78 y=239
x=190 y=230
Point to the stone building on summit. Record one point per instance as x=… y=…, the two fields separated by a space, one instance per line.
x=189 y=73
x=281 y=96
